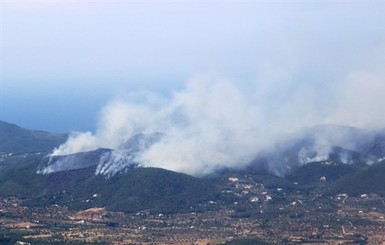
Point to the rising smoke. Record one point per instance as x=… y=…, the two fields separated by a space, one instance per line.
x=214 y=123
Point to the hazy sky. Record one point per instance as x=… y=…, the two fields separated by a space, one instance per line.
x=63 y=61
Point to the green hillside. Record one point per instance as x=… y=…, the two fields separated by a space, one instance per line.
x=153 y=189
x=368 y=180
x=256 y=176
x=311 y=173
x=20 y=178
x=19 y=140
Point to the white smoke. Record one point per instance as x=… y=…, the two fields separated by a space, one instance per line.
x=215 y=123
x=317 y=153
x=361 y=100
x=77 y=142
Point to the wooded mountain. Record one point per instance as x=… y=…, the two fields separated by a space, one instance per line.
x=14 y=139
x=79 y=184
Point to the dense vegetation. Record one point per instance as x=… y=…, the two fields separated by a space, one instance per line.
x=157 y=190
x=19 y=178
x=368 y=180
x=255 y=176
x=311 y=173
x=18 y=140
x=163 y=191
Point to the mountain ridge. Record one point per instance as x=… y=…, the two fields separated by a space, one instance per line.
x=14 y=139
x=134 y=188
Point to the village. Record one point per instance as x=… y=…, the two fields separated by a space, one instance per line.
x=274 y=215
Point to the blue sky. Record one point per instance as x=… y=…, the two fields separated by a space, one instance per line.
x=62 y=61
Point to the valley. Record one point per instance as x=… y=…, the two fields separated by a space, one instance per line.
x=274 y=215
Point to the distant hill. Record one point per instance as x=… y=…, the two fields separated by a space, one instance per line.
x=311 y=173
x=333 y=143
x=368 y=180
x=162 y=191
x=153 y=189
x=112 y=178
x=14 y=139
x=108 y=162
x=336 y=144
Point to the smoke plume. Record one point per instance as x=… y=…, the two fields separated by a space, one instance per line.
x=214 y=123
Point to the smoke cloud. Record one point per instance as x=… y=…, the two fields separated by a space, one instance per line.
x=218 y=122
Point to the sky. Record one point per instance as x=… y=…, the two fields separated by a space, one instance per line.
x=70 y=65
